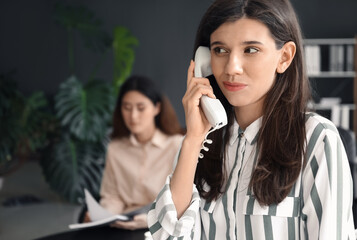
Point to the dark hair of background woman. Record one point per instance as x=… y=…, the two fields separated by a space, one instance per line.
x=166 y=120
x=282 y=135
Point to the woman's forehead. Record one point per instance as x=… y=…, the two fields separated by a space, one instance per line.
x=243 y=30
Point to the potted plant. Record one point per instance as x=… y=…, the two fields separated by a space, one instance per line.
x=25 y=124
x=75 y=158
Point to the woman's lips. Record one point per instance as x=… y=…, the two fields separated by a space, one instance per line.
x=234 y=86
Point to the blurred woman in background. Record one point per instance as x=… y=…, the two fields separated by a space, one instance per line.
x=145 y=139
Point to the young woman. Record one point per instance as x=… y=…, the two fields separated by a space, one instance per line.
x=276 y=171
x=146 y=136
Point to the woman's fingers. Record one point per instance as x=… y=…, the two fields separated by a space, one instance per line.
x=191 y=79
x=200 y=82
x=196 y=92
x=86 y=218
x=191 y=103
x=196 y=123
x=124 y=225
x=190 y=72
x=139 y=222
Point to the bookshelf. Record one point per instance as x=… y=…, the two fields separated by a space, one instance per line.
x=334 y=58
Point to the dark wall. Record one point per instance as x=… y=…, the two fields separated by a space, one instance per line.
x=329 y=19
x=33 y=45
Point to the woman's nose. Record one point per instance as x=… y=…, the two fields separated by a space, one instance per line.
x=134 y=114
x=234 y=65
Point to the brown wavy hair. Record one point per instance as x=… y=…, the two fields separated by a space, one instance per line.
x=166 y=120
x=282 y=135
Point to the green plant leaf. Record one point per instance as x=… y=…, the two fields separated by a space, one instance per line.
x=35 y=120
x=24 y=122
x=10 y=132
x=70 y=165
x=82 y=19
x=85 y=110
x=124 y=55
x=8 y=92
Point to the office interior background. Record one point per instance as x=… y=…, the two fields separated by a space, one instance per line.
x=34 y=48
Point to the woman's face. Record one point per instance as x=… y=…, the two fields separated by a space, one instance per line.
x=139 y=113
x=244 y=62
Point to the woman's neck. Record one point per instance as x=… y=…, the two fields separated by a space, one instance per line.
x=247 y=115
x=145 y=136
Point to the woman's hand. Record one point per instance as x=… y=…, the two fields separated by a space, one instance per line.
x=86 y=218
x=196 y=122
x=139 y=222
x=197 y=127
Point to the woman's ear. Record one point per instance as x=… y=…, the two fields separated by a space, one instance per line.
x=157 y=108
x=287 y=55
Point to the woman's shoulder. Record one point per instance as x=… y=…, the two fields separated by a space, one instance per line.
x=171 y=139
x=117 y=143
x=176 y=138
x=314 y=119
x=317 y=125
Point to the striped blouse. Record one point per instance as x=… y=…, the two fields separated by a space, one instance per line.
x=319 y=205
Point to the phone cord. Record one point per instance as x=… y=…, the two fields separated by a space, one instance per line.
x=208 y=141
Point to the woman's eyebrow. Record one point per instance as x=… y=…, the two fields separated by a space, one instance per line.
x=216 y=43
x=253 y=42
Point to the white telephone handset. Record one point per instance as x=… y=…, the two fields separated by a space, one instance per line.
x=212 y=108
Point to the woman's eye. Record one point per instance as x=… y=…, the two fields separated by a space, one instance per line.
x=219 y=50
x=251 y=50
x=141 y=109
x=126 y=107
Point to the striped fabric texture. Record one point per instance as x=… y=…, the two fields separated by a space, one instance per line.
x=319 y=205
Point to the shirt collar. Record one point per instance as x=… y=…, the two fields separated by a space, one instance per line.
x=157 y=140
x=250 y=133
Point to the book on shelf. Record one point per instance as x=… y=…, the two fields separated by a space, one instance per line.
x=336 y=58
x=100 y=216
x=349 y=58
x=313 y=59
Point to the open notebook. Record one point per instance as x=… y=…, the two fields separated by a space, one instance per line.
x=100 y=216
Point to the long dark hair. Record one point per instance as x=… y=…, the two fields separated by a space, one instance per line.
x=166 y=120
x=282 y=135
